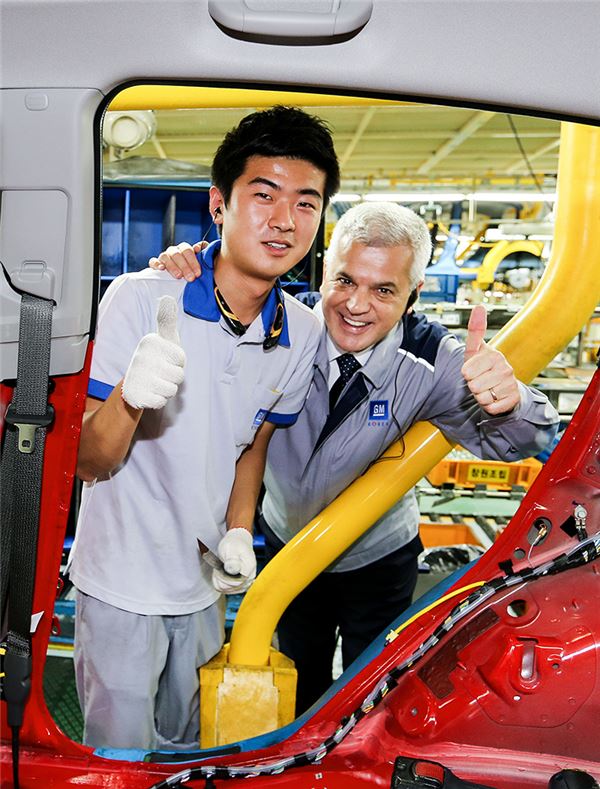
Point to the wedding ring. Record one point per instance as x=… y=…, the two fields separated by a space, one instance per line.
x=494 y=395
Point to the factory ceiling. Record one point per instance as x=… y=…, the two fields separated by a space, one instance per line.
x=385 y=146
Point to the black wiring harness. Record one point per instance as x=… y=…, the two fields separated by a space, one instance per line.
x=585 y=552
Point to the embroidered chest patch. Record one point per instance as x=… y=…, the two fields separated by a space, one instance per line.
x=379 y=413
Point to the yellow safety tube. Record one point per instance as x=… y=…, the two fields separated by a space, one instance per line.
x=564 y=299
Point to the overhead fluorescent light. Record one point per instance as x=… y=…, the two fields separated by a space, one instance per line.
x=527 y=228
x=342 y=197
x=449 y=197
x=415 y=197
x=512 y=197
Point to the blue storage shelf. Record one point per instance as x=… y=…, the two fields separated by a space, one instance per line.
x=140 y=220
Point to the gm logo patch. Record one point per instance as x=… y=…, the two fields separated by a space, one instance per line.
x=259 y=418
x=379 y=411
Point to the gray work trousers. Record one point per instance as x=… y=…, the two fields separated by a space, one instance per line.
x=137 y=675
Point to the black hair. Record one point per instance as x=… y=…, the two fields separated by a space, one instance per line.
x=278 y=131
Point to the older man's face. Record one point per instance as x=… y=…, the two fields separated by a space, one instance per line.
x=365 y=292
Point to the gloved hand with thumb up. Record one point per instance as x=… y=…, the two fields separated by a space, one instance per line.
x=155 y=371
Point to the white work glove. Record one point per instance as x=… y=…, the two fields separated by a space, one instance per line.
x=156 y=368
x=239 y=562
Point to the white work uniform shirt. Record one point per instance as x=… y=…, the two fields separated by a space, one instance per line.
x=136 y=544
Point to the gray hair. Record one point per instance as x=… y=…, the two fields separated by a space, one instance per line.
x=384 y=225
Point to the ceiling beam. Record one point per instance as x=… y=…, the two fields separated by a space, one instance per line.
x=376 y=136
x=369 y=136
x=521 y=166
x=360 y=129
x=473 y=124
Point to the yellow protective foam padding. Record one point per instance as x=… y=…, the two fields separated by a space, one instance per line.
x=173 y=97
x=237 y=702
x=561 y=304
x=500 y=250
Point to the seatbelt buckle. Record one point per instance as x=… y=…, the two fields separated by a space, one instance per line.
x=26 y=425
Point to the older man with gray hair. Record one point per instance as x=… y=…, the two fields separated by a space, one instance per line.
x=380 y=368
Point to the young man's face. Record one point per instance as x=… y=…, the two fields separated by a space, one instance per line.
x=365 y=291
x=272 y=216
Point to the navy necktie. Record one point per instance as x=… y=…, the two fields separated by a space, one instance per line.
x=348 y=365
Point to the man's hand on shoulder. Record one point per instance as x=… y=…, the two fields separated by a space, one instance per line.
x=487 y=372
x=180 y=260
x=156 y=368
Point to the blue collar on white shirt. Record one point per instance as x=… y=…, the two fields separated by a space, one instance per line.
x=199 y=297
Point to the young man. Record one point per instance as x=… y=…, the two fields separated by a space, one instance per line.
x=173 y=462
x=379 y=369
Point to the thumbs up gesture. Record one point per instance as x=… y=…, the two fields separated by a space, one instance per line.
x=156 y=368
x=488 y=374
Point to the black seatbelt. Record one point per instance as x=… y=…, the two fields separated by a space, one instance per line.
x=27 y=419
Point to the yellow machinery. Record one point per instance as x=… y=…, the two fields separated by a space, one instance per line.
x=498 y=252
